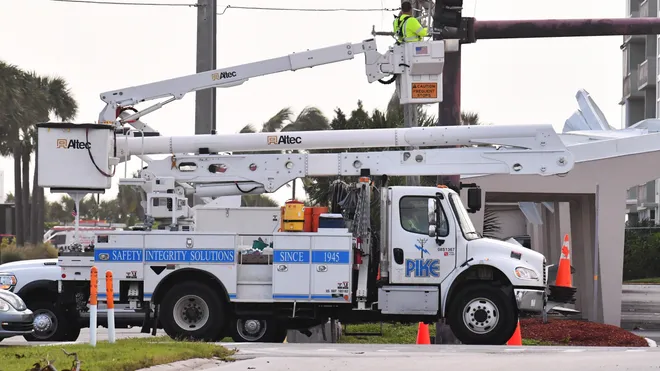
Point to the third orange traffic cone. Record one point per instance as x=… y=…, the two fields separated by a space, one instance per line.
x=516 y=339
x=563 y=291
x=423 y=336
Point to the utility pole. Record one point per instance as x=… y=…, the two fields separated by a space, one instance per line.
x=448 y=17
x=206 y=61
x=410 y=118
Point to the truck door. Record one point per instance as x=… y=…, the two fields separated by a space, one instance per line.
x=417 y=258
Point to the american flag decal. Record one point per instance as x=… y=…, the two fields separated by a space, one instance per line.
x=421 y=50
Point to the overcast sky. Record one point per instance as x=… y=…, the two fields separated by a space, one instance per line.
x=98 y=48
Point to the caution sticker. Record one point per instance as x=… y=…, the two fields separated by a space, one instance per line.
x=424 y=90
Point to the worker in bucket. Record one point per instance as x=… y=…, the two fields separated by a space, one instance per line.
x=406 y=27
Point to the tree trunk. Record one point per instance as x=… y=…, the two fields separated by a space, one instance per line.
x=18 y=196
x=41 y=215
x=25 y=163
x=35 y=209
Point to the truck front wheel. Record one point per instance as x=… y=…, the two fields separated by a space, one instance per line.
x=192 y=311
x=52 y=323
x=483 y=314
x=257 y=330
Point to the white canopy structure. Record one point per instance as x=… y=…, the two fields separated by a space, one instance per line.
x=607 y=163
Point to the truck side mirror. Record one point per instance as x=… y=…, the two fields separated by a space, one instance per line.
x=474 y=199
x=432 y=212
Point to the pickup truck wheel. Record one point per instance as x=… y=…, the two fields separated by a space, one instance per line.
x=50 y=323
x=483 y=314
x=256 y=331
x=192 y=311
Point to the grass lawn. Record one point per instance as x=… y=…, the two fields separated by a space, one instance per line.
x=395 y=334
x=124 y=355
x=642 y=281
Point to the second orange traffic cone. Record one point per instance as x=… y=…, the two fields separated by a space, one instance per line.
x=563 y=291
x=516 y=339
x=564 y=278
x=423 y=336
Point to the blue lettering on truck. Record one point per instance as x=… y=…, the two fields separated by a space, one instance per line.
x=189 y=256
x=164 y=255
x=118 y=255
x=291 y=256
x=423 y=268
x=330 y=257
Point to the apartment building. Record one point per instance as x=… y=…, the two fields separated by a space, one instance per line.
x=640 y=99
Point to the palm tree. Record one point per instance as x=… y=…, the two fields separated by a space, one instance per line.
x=16 y=97
x=57 y=100
x=25 y=99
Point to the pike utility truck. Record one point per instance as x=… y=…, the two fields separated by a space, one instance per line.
x=427 y=263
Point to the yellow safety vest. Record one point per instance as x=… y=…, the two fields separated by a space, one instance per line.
x=408 y=29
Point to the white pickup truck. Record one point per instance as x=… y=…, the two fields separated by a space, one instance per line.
x=35 y=281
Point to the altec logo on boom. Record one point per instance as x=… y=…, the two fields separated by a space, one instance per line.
x=73 y=143
x=223 y=75
x=284 y=139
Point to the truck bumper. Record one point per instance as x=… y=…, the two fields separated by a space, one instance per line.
x=530 y=300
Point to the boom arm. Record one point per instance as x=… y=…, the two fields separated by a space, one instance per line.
x=538 y=150
x=377 y=67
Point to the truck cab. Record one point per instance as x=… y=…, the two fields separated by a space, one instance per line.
x=436 y=257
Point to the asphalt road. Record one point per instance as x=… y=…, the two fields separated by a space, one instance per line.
x=640 y=308
x=331 y=357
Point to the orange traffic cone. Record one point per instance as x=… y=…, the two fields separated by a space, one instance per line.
x=563 y=291
x=564 y=278
x=423 y=336
x=516 y=339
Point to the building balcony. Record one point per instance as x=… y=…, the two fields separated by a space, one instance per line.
x=630 y=90
x=646 y=76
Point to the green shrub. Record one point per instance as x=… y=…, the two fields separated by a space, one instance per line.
x=10 y=253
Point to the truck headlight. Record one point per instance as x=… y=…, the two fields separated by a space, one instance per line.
x=7 y=281
x=4 y=306
x=526 y=273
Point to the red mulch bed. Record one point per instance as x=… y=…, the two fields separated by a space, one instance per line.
x=581 y=333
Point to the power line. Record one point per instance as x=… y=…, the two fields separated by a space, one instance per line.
x=135 y=3
x=96 y=2
x=307 y=9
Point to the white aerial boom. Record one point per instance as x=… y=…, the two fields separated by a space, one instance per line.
x=417 y=66
x=514 y=149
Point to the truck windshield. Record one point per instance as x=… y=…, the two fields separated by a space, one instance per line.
x=469 y=232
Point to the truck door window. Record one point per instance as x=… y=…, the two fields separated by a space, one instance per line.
x=413 y=213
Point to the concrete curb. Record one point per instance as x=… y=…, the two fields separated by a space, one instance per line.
x=651 y=342
x=189 y=364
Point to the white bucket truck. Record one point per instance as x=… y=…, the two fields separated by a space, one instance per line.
x=430 y=263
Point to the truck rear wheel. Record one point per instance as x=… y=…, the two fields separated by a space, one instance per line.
x=192 y=311
x=483 y=314
x=256 y=331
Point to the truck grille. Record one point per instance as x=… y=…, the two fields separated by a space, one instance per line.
x=17 y=326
